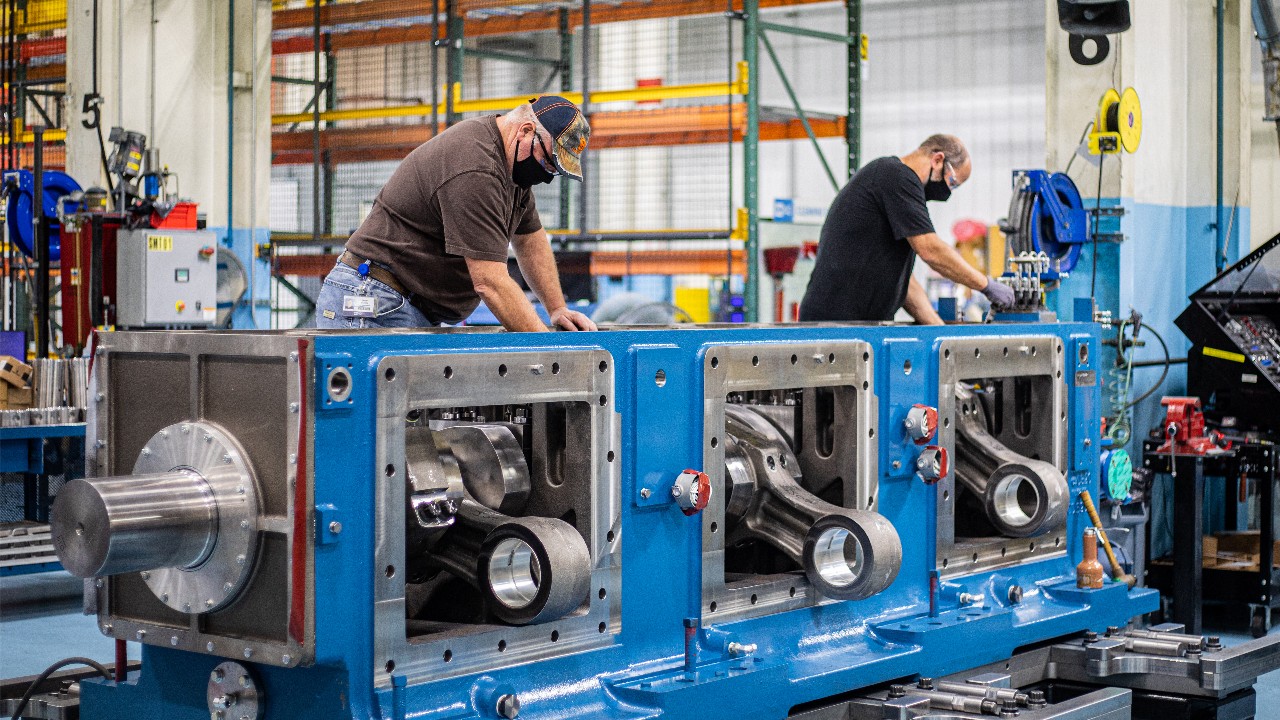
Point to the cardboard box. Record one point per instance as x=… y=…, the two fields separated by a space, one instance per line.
x=13 y=398
x=15 y=372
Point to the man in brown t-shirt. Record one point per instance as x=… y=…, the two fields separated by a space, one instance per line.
x=435 y=243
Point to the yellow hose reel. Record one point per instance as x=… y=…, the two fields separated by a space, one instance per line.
x=1118 y=125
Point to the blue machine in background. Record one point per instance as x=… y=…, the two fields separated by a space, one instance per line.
x=19 y=189
x=816 y=522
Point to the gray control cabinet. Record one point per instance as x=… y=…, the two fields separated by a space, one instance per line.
x=166 y=278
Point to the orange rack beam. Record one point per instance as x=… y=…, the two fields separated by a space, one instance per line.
x=615 y=263
x=697 y=125
x=546 y=20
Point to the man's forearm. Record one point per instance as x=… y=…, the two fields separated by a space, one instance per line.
x=918 y=306
x=507 y=302
x=538 y=265
x=947 y=261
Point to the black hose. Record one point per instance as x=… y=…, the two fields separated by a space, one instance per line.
x=1163 y=373
x=31 y=689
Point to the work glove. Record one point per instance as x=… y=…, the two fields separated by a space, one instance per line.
x=1000 y=295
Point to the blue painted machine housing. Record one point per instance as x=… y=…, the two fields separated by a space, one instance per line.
x=916 y=626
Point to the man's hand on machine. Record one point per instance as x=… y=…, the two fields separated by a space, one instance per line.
x=1000 y=295
x=566 y=319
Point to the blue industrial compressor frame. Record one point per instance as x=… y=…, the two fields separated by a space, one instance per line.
x=916 y=626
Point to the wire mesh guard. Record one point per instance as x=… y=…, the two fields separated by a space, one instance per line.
x=356 y=86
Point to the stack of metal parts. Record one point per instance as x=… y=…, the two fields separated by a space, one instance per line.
x=59 y=394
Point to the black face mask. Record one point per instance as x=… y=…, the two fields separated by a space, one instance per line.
x=937 y=190
x=528 y=172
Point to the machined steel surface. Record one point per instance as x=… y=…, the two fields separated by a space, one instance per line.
x=842 y=371
x=186 y=518
x=847 y=554
x=1033 y=359
x=1165 y=666
x=1022 y=497
x=581 y=477
x=232 y=693
x=250 y=387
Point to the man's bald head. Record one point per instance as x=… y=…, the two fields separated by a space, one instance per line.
x=949 y=145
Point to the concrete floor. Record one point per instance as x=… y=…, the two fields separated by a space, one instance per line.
x=41 y=622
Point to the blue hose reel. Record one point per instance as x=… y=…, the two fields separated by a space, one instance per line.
x=20 y=191
x=1047 y=216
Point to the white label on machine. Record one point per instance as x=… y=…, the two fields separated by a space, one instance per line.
x=209 y=314
x=1249 y=378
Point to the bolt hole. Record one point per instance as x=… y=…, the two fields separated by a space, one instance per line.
x=555 y=635
x=339 y=385
x=946 y=495
x=1084 y=354
x=715 y=527
x=555 y=368
x=609 y=536
x=755 y=360
x=609 y=456
x=602 y=593
x=865 y=384
x=603 y=400
x=977 y=352
x=1059 y=373
x=601 y=627
x=792 y=591
x=713 y=606
x=502 y=371
x=866 y=356
x=715 y=363
x=871 y=432
x=906 y=368
x=660 y=378
x=448 y=655
x=715 y=442
x=754 y=599
x=794 y=359
x=946 y=353
x=604 y=365
x=946 y=422
x=1033 y=351
x=390 y=374
x=975 y=558
x=448 y=372
x=502 y=646
x=831 y=358
x=390 y=571
x=871 y=501
x=1003 y=552
x=391 y=665
x=1057 y=542
x=1031 y=547
x=945 y=562
x=390 y=470
x=771 y=462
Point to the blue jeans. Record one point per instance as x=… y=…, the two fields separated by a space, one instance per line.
x=393 y=309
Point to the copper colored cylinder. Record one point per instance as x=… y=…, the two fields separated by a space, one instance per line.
x=1089 y=571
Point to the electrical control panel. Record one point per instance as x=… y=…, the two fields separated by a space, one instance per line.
x=166 y=278
x=1234 y=362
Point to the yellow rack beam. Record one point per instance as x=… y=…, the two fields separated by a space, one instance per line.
x=40 y=16
x=739 y=86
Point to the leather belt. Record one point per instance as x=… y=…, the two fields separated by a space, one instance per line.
x=380 y=274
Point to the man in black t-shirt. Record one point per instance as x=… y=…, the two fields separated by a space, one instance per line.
x=876 y=227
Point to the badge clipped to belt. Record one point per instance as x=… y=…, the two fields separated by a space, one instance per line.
x=364 y=306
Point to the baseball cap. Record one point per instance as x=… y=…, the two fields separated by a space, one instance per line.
x=564 y=121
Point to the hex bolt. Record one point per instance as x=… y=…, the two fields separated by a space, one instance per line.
x=1090 y=637
x=675 y=491
x=248 y=653
x=1015 y=594
x=645 y=493
x=107 y=628
x=737 y=649
x=209 y=646
x=508 y=706
x=218 y=675
x=240 y=559
x=1010 y=708
x=286 y=659
x=141 y=634
x=897 y=691
x=1036 y=699
x=925 y=683
x=1215 y=643
x=293 y=356
x=293 y=407
x=173 y=640
x=98 y=583
x=335 y=527
x=1112 y=631
x=146 y=575
x=244 y=681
